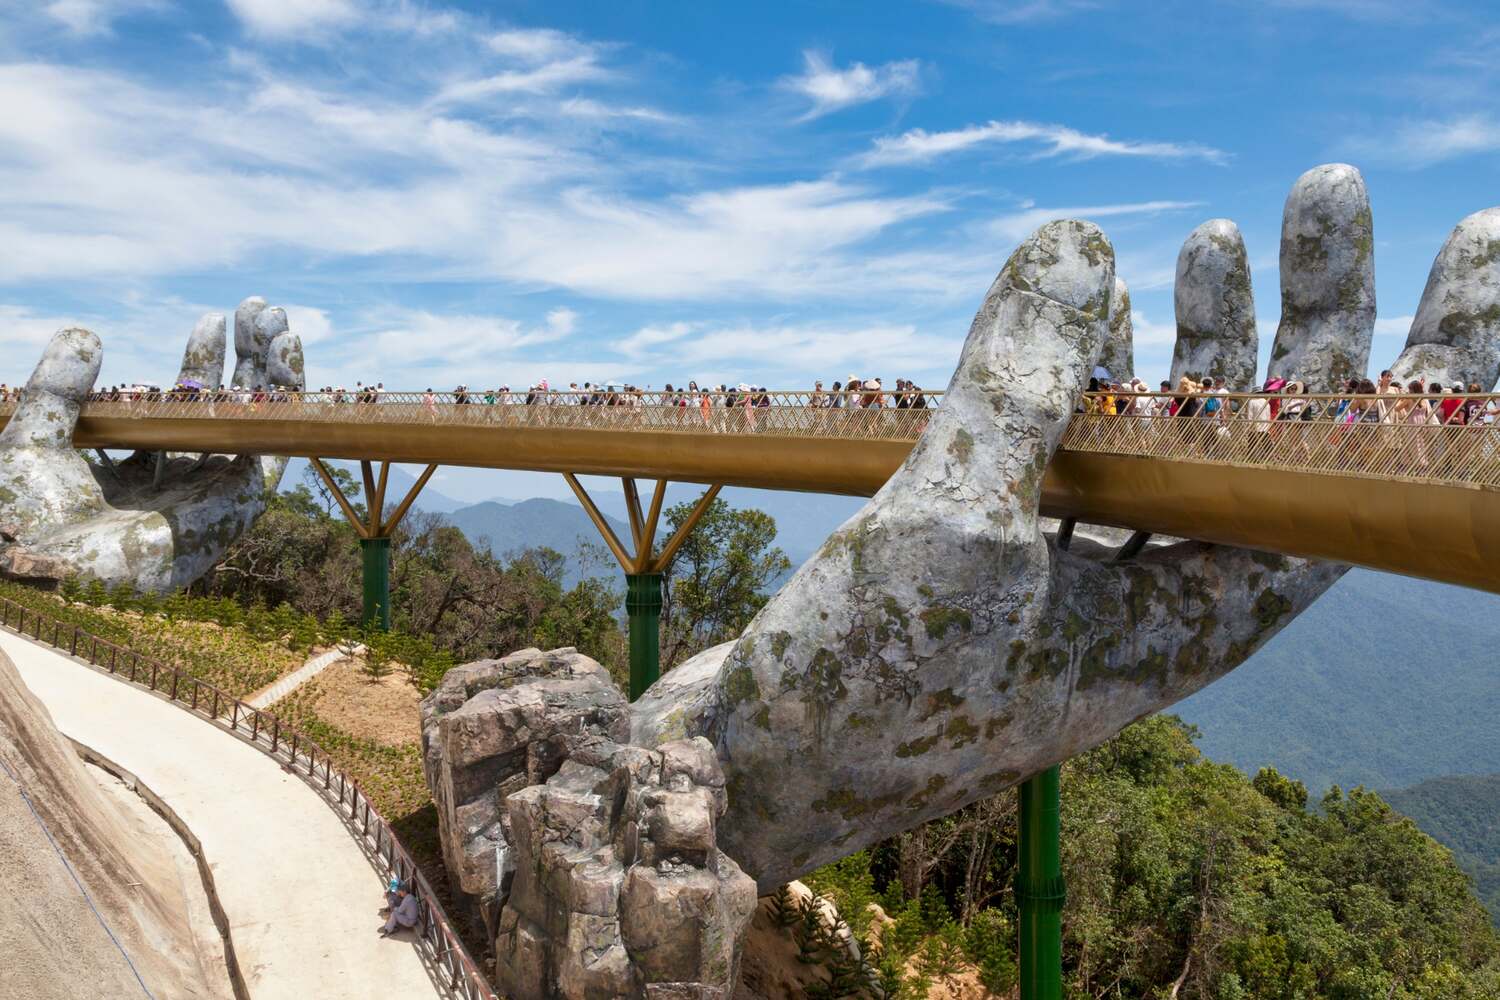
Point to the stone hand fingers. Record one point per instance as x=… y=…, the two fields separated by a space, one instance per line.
x=1027 y=357
x=58 y=387
x=1327 y=280
x=1455 y=336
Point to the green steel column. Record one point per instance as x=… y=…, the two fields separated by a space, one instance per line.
x=377 y=556
x=1039 y=886
x=643 y=607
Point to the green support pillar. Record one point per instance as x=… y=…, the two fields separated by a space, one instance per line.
x=377 y=558
x=1039 y=886
x=643 y=607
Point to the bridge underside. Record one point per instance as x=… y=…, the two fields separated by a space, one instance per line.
x=1441 y=532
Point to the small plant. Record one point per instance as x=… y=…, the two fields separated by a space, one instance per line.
x=378 y=648
x=70 y=590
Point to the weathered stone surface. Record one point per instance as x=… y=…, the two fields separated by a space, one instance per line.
x=1327 y=280
x=203 y=358
x=248 y=372
x=1215 y=307
x=1456 y=334
x=619 y=890
x=939 y=647
x=1119 y=343
x=493 y=728
x=59 y=515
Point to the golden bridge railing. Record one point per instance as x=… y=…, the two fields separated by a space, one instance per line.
x=889 y=416
x=1447 y=439
x=1444 y=439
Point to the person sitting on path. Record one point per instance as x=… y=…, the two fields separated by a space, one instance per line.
x=402 y=906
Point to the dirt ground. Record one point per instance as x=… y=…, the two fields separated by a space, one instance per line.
x=386 y=711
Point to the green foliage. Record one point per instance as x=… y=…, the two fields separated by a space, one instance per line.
x=719 y=578
x=380 y=652
x=989 y=943
x=1183 y=871
x=850 y=886
x=1460 y=813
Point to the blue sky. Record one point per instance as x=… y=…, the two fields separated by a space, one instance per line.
x=651 y=192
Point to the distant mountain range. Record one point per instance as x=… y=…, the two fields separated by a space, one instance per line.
x=1385 y=681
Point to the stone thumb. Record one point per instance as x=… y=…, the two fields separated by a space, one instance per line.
x=57 y=389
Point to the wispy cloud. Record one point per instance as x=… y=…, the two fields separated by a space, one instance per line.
x=289 y=18
x=94 y=17
x=1019 y=225
x=1023 y=11
x=1423 y=143
x=719 y=351
x=830 y=88
x=921 y=146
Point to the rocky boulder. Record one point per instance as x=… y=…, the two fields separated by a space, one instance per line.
x=620 y=889
x=493 y=728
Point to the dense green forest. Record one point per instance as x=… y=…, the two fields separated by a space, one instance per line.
x=1186 y=879
x=1463 y=813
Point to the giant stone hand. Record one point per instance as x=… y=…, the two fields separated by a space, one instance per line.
x=61 y=515
x=941 y=646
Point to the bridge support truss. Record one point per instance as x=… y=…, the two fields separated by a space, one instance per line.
x=374 y=530
x=643 y=568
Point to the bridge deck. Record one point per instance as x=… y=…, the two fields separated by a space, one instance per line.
x=1419 y=499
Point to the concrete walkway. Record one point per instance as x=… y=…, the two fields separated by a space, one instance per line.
x=269 y=696
x=300 y=895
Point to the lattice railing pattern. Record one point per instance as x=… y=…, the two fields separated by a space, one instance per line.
x=1429 y=438
x=1404 y=437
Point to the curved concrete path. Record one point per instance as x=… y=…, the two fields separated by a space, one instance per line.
x=301 y=897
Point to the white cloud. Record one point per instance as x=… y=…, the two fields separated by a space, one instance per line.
x=831 y=89
x=921 y=146
x=1423 y=143
x=1146 y=333
x=1023 y=11
x=537 y=45
x=1393 y=326
x=310 y=323
x=289 y=18
x=1019 y=225
x=727 y=353
x=93 y=17
x=654 y=335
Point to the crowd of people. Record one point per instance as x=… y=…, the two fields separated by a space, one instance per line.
x=851 y=393
x=1386 y=401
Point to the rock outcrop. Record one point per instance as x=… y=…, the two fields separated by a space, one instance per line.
x=594 y=863
x=493 y=728
x=620 y=888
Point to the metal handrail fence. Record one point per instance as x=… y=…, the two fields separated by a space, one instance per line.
x=284 y=744
x=1447 y=440
x=1436 y=438
x=860 y=415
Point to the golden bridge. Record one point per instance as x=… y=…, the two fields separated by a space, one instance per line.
x=1363 y=481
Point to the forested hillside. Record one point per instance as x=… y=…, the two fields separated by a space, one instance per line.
x=1384 y=682
x=1185 y=879
x=1463 y=813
